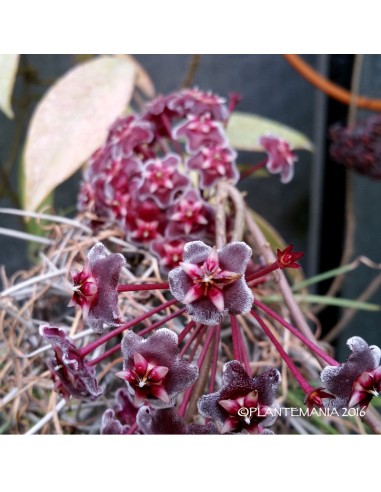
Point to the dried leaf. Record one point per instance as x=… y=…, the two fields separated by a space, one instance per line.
x=71 y=122
x=244 y=131
x=8 y=70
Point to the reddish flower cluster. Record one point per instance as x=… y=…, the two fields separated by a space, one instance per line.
x=358 y=148
x=141 y=178
x=159 y=370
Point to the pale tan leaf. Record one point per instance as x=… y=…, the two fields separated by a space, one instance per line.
x=71 y=122
x=8 y=70
x=244 y=131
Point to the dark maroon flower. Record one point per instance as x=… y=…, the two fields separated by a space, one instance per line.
x=120 y=418
x=95 y=287
x=243 y=403
x=189 y=216
x=162 y=180
x=358 y=148
x=200 y=131
x=128 y=133
x=214 y=163
x=356 y=381
x=145 y=221
x=111 y=425
x=315 y=398
x=158 y=113
x=281 y=158
x=365 y=387
x=211 y=282
x=196 y=102
x=169 y=253
x=288 y=258
x=70 y=371
x=168 y=421
x=153 y=370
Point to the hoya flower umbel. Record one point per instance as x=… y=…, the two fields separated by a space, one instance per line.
x=72 y=374
x=95 y=287
x=211 y=282
x=358 y=380
x=153 y=370
x=243 y=403
x=281 y=158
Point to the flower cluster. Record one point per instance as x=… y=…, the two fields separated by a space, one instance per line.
x=161 y=371
x=141 y=178
x=358 y=148
x=155 y=176
x=186 y=365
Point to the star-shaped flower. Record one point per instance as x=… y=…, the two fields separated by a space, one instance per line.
x=189 y=216
x=281 y=158
x=315 y=398
x=119 y=418
x=128 y=133
x=288 y=258
x=243 y=403
x=213 y=163
x=153 y=370
x=162 y=180
x=211 y=282
x=169 y=253
x=356 y=381
x=70 y=371
x=95 y=287
x=200 y=131
x=196 y=102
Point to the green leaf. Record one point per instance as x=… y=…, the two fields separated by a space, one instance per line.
x=8 y=70
x=72 y=121
x=330 y=301
x=244 y=131
x=324 y=276
x=259 y=173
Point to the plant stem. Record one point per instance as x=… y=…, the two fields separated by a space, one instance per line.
x=220 y=216
x=213 y=371
x=186 y=330
x=105 y=338
x=161 y=321
x=133 y=288
x=194 y=63
x=263 y=271
x=190 y=340
x=284 y=287
x=297 y=333
x=235 y=339
x=200 y=362
x=248 y=172
x=306 y=387
x=104 y=356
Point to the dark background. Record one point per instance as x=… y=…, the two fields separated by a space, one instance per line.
x=310 y=210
